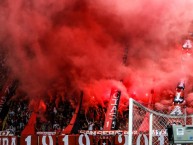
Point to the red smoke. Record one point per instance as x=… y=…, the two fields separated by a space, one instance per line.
x=61 y=47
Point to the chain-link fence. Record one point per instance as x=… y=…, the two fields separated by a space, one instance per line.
x=142 y=117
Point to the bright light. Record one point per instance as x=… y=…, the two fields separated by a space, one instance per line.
x=187 y=44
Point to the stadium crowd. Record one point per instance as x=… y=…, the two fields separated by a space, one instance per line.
x=56 y=117
x=17 y=117
x=15 y=111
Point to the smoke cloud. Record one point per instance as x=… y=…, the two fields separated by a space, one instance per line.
x=61 y=47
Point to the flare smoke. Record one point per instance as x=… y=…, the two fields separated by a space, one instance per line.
x=61 y=47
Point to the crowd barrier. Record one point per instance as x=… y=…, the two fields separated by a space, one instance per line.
x=46 y=138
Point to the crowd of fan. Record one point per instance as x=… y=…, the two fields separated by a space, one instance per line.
x=92 y=118
x=57 y=117
x=17 y=117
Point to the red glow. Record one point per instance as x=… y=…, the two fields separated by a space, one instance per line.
x=79 y=45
